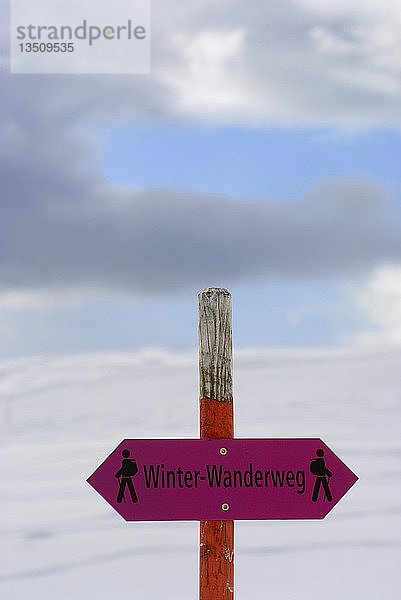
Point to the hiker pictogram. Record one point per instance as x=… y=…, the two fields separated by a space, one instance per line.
x=129 y=468
x=322 y=473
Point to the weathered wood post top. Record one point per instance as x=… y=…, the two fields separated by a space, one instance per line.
x=215 y=345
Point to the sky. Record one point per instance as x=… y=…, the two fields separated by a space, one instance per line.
x=260 y=154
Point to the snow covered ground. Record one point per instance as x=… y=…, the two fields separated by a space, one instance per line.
x=62 y=416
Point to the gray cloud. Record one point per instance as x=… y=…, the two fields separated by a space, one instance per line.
x=63 y=227
x=306 y=61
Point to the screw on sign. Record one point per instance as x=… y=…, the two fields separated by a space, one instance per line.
x=218 y=478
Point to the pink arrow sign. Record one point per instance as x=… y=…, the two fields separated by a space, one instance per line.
x=239 y=479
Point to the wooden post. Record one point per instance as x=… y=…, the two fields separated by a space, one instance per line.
x=216 y=556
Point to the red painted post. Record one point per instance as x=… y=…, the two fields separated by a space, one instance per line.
x=216 y=553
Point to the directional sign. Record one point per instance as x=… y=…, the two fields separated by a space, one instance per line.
x=214 y=479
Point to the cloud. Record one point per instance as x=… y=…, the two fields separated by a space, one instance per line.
x=302 y=62
x=288 y=62
x=63 y=228
x=379 y=300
